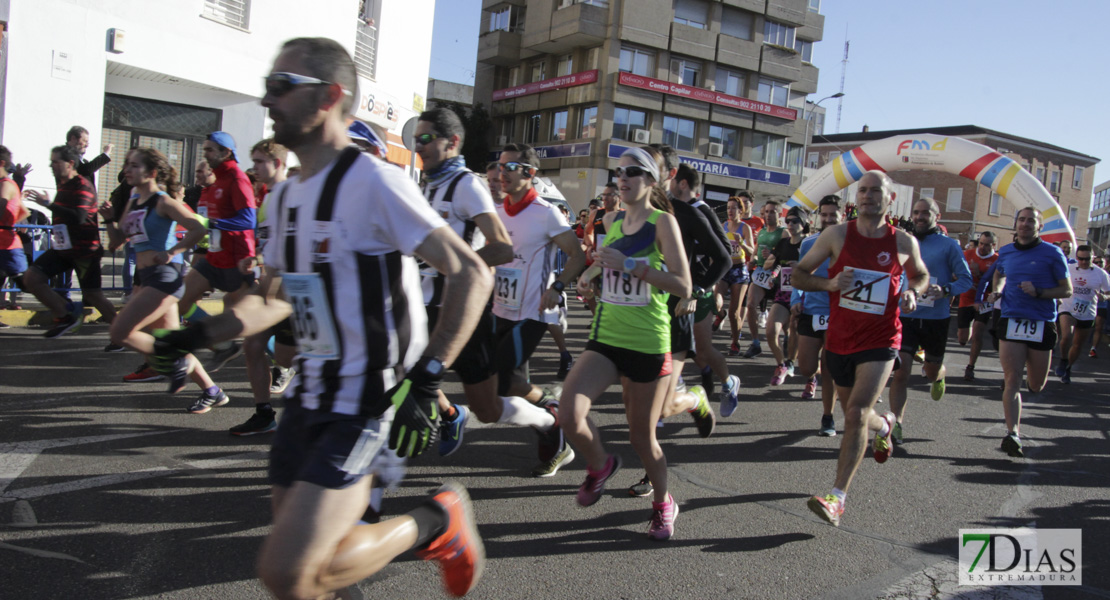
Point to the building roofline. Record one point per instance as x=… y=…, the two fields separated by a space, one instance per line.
x=955 y=130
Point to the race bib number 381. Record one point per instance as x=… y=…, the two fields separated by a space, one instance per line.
x=869 y=292
x=313 y=325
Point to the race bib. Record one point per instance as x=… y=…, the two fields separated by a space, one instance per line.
x=820 y=322
x=600 y=241
x=986 y=307
x=507 y=288
x=763 y=278
x=134 y=226
x=734 y=241
x=786 y=282
x=59 y=237
x=313 y=325
x=1083 y=310
x=213 y=234
x=1025 y=330
x=625 y=289
x=927 y=301
x=869 y=293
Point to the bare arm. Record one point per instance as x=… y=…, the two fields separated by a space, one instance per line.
x=498 y=249
x=917 y=274
x=576 y=261
x=263 y=308
x=467 y=286
x=172 y=208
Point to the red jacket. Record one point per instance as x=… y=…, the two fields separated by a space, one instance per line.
x=231 y=193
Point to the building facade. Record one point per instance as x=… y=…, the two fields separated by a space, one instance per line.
x=724 y=82
x=1099 y=225
x=968 y=208
x=165 y=76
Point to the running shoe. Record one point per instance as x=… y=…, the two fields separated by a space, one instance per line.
x=260 y=422
x=919 y=356
x=828 y=426
x=1062 y=367
x=663 y=514
x=734 y=349
x=811 y=388
x=70 y=322
x=896 y=435
x=459 y=548
x=761 y=320
x=206 y=403
x=451 y=432
x=143 y=374
x=779 y=376
x=565 y=363
x=549 y=441
x=280 y=378
x=969 y=373
x=551 y=467
x=829 y=508
x=754 y=350
x=550 y=396
x=789 y=367
x=1066 y=377
x=883 y=447
x=641 y=489
x=591 y=489
x=4 y=325
x=114 y=348
x=179 y=376
x=1094 y=353
x=1011 y=444
x=703 y=415
x=937 y=389
x=717 y=322
x=730 y=396
x=222 y=357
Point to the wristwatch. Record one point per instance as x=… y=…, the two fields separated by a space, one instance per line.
x=629 y=264
x=699 y=292
x=431 y=366
x=558 y=286
x=947 y=290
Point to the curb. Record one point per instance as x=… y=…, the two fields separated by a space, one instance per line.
x=43 y=318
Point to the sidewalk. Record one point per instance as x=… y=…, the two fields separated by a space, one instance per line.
x=34 y=314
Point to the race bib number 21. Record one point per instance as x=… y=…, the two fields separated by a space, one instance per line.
x=869 y=293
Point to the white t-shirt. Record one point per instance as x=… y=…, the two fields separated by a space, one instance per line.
x=519 y=285
x=368 y=306
x=1085 y=283
x=470 y=199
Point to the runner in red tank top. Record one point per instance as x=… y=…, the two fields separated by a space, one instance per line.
x=864 y=333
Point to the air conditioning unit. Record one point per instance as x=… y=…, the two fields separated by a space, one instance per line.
x=716 y=149
x=502 y=140
x=641 y=136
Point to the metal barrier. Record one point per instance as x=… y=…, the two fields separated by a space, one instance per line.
x=41 y=241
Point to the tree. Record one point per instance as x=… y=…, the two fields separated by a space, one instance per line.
x=476 y=146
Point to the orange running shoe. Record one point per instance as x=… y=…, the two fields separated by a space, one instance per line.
x=459 y=548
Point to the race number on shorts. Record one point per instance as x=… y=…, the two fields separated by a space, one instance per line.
x=313 y=325
x=763 y=278
x=625 y=289
x=507 y=287
x=786 y=281
x=820 y=322
x=869 y=293
x=59 y=237
x=927 y=300
x=1025 y=330
x=986 y=307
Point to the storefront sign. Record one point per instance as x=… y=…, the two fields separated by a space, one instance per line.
x=556 y=151
x=704 y=95
x=558 y=83
x=712 y=167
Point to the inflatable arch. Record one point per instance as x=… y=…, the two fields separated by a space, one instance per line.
x=938 y=153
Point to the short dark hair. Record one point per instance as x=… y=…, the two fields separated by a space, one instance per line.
x=67 y=154
x=445 y=122
x=327 y=60
x=990 y=234
x=830 y=200
x=746 y=194
x=272 y=149
x=1083 y=248
x=75 y=132
x=688 y=174
x=6 y=157
x=612 y=184
x=527 y=154
x=670 y=156
x=772 y=202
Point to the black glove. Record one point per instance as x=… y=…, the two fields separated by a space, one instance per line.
x=172 y=344
x=417 y=410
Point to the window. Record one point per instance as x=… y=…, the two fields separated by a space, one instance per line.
x=769 y=150
x=996 y=205
x=366 y=38
x=589 y=122
x=731 y=83
x=1073 y=216
x=794 y=158
x=601 y=3
x=778 y=34
x=737 y=23
x=514 y=77
x=537 y=71
x=507 y=128
x=638 y=62
x=234 y=13
x=812 y=160
x=694 y=13
x=510 y=18
x=559 y=125
x=1054 y=182
x=1040 y=175
x=805 y=48
x=565 y=66
x=678 y=133
x=773 y=91
x=797 y=101
x=814 y=6
x=1077 y=178
x=531 y=129
x=955 y=200
x=927 y=193
x=728 y=138
x=686 y=71
x=625 y=120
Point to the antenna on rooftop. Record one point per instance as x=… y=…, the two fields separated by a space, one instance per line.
x=843 y=74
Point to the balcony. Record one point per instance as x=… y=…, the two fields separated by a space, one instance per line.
x=501 y=48
x=572 y=26
x=492 y=5
x=791 y=12
x=814 y=28
x=808 y=82
x=781 y=63
x=692 y=41
x=735 y=52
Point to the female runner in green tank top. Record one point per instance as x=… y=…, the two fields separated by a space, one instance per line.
x=630 y=337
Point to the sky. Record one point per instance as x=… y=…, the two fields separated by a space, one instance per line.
x=1030 y=68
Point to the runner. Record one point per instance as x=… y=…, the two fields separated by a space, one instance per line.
x=630 y=337
x=867 y=257
x=736 y=281
x=768 y=237
x=812 y=310
x=1089 y=284
x=459 y=196
x=13 y=259
x=781 y=261
x=973 y=317
x=352 y=290
x=1037 y=273
x=1100 y=318
x=927 y=327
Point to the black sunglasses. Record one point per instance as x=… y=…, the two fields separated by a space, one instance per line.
x=513 y=166
x=280 y=84
x=793 y=221
x=1077 y=257
x=632 y=171
x=425 y=138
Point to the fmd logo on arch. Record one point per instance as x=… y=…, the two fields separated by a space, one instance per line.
x=1022 y=556
x=921 y=145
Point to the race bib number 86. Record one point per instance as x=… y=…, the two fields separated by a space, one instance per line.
x=313 y=325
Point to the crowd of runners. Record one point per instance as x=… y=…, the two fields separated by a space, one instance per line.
x=323 y=273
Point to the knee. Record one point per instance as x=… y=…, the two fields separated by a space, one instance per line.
x=854 y=416
x=117 y=334
x=285 y=583
x=484 y=410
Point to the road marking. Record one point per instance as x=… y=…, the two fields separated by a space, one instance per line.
x=40 y=553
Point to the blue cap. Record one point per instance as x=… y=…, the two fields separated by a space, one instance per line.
x=224 y=139
x=360 y=131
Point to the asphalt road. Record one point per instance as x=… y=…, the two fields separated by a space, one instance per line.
x=112 y=490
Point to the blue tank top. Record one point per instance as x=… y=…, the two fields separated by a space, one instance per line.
x=147 y=230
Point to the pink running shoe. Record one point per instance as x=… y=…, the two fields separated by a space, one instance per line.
x=591 y=489
x=779 y=376
x=828 y=508
x=811 y=388
x=663 y=515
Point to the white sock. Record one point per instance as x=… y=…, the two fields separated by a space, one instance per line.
x=840 y=494
x=885 y=429
x=518 y=411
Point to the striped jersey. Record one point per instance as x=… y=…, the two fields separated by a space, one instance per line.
x=458 y=200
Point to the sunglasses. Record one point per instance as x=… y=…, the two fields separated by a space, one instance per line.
x=513 y=166
x=1077 y=257
x=793 y=221
x=632 y=171
x=425 y=138
x=280 y=84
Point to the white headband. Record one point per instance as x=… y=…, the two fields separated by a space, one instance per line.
x=645 y=160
